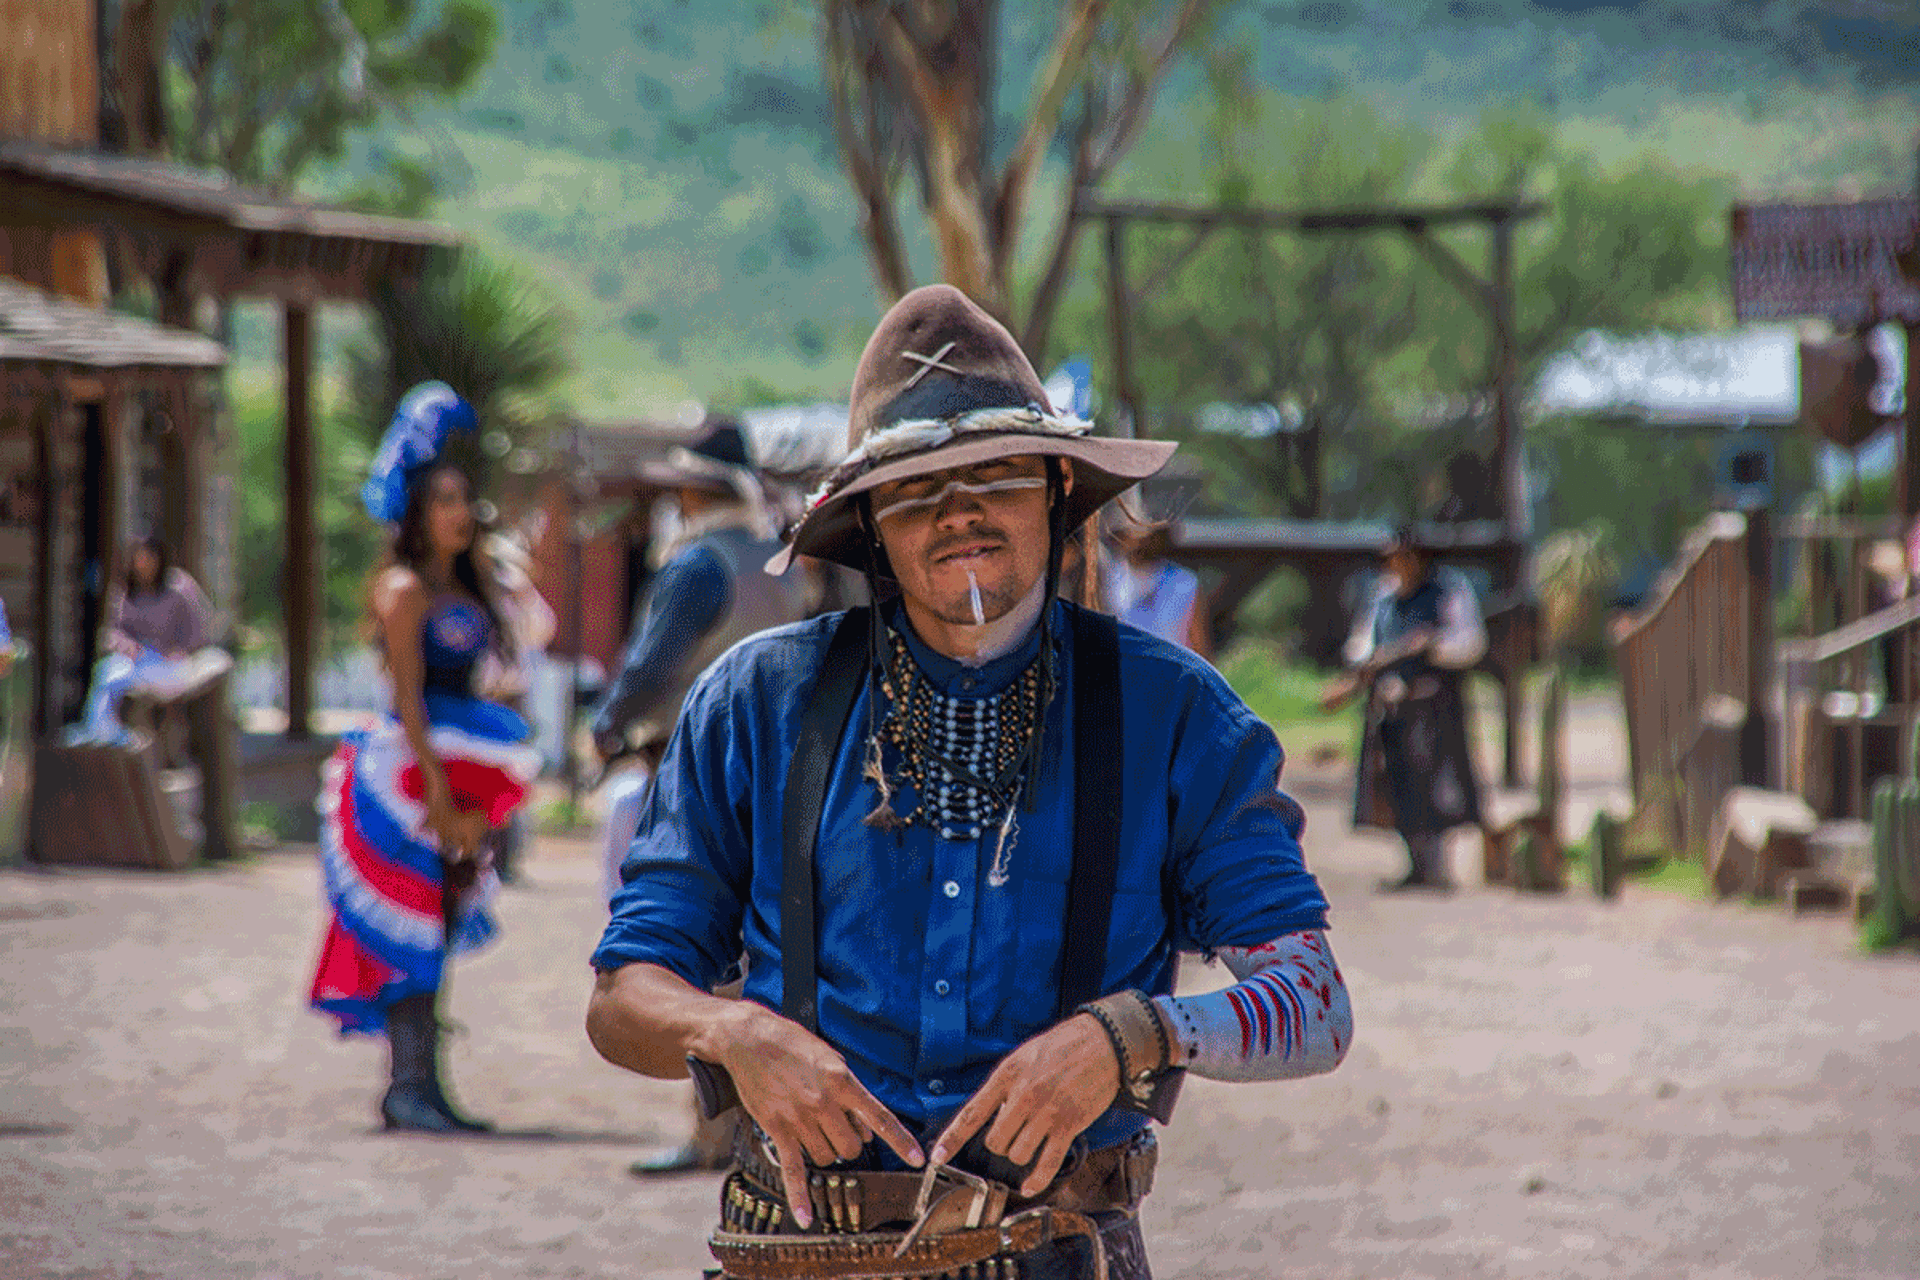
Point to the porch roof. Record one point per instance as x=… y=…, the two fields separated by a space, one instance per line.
x=37 y=328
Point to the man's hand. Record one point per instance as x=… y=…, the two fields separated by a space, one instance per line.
x=607 y=744
x=1041 y=1097
x=802 y=1093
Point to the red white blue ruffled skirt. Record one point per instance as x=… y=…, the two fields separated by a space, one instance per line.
x=393 y=922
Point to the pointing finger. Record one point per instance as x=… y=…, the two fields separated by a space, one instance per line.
x=968 y=1120
x=884 y=1125
x=793 y=1178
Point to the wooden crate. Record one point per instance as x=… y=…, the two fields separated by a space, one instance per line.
x=104 y=807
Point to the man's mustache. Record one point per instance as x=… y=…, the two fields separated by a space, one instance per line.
x=972 y=537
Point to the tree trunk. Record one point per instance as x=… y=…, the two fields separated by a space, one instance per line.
x=941 y=60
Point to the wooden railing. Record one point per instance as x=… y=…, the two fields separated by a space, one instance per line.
x=1831 y=566
x=1850 y=704
x=1695 y=664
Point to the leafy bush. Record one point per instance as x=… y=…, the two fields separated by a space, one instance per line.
x=1286 y=695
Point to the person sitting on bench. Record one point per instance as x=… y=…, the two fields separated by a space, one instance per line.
x=156 y=644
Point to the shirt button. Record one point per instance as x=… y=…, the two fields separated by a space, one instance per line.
x=951 y=888
x=968 y=682
x=941 y=987
x=936 y=1086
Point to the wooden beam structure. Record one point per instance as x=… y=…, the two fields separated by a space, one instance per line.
x=301 y=582
x=200 y=235
x=1493 y=296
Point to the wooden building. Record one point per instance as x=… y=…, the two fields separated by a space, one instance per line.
x=591 y=487
x=162 y=455
x=71 y=377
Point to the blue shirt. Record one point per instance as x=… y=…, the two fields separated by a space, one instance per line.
x=1163 y=606
x=928 y=975
x=682 y=605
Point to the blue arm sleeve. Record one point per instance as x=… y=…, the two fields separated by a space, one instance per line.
x=686 y=876
x=1240 y=878
x=685 y=602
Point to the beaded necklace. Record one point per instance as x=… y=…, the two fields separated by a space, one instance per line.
x=964 y=757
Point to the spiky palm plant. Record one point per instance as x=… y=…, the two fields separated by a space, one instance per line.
x=1573 y=569
x=476 y=323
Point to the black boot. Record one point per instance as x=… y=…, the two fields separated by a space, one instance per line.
x=1430 y=856
x=1427 y=871
x=415 y=1100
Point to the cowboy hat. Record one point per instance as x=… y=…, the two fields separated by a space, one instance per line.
x=716 y=461
x=942 y=384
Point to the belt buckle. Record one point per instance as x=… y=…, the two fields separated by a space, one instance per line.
x=987 y=1201
x=981 y=1188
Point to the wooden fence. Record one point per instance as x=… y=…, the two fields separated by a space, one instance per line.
x=1849 y=711
x=1695 y=666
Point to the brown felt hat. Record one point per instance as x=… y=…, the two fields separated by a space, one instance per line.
x=715 y=461
x=942 y=384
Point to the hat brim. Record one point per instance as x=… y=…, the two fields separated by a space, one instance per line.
x=665 y=475
x=1103 y=469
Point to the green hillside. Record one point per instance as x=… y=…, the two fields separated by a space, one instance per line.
x=669 y=169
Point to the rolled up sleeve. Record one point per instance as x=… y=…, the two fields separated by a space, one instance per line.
x=1461 y=638
x=1240 y=877
x=685 y=879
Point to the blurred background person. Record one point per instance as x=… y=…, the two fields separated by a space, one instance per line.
x=156 y=643
x=1411 y=644
x=710 y=592
x=506 y=673
x=1142 y=587
x=408 y=802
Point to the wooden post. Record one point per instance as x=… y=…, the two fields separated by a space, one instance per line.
x=1120 y=326
x=1507 y=481
x=1910 y=430
x=302 y=588
x=1757 y=757
x=576 y=620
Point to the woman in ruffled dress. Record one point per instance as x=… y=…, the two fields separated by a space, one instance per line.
x=408 y=801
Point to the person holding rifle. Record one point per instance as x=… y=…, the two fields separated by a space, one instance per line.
x=1409 y=648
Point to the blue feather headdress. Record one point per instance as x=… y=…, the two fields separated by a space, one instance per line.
x=425 y=417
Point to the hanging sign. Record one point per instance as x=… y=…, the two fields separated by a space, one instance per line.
x=1853 y=263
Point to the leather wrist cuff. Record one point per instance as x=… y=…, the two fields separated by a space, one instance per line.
x=1143 y=1048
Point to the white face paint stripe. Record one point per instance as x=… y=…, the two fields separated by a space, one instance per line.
x=905 y=506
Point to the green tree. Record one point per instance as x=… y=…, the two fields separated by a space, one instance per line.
x=914 y=87
x=264 y=89
x=350 y=544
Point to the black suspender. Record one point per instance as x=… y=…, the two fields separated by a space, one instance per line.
x=1098 y=745
x=822 y=725
x=1096 y=823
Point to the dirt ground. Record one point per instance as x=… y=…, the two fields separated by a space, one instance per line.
x=1540 y=1086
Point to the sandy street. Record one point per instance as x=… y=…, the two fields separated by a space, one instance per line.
x=1540 y=1087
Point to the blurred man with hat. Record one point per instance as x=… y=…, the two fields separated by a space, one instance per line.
x=1410 y=648
x=709 y=593
x=961 y=837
